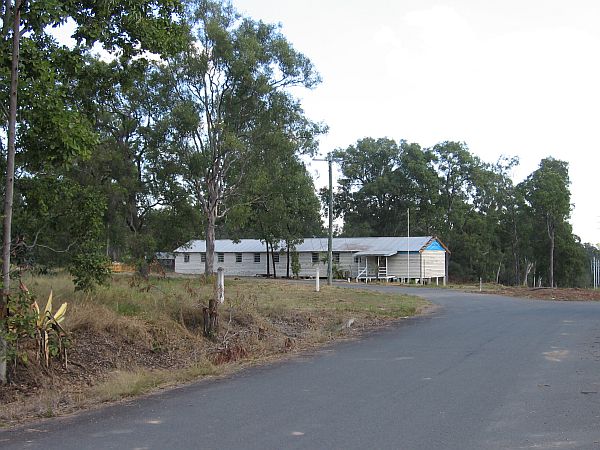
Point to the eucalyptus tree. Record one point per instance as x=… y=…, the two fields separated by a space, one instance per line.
x=130 y=164
x=456 y=166
x=492 y=203
x=421 y=188
x=381 y=180
x=222 y=89
x=50 y=130
x=368 y=190
x=548 y=194
x=277 y=200
x=279 y=206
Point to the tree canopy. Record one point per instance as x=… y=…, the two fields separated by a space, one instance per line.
x=151 y=150
x=495 y=230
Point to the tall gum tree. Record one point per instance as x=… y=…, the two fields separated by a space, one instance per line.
x=548 y=193
x=223 y=87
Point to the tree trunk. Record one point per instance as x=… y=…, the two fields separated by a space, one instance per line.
x=498 y=272
x=10 y=181
x=273 y=261
x=210 y=318
x=287 y=245
x=268 y=268
x=515 y=245
x=517 y=269
x=550 y=228
x=209 y=263
x=528 y=268
x=551 y=275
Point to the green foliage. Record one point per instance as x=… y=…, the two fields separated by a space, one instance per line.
x=548 y=196
x=296 y=264
x=89 y=267
x=19 y=326
x=25 y=322
x=60 y=223
x=339 y=273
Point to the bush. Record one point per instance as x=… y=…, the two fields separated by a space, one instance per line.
x=89 y=268
x=295 y=264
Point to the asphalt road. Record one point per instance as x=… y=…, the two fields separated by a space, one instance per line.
x=483 y=372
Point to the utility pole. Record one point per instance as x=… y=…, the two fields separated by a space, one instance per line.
x=408 y=245
x=329 y=160
x=330 y=240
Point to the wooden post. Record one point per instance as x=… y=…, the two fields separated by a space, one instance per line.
x=317 y=288
x=210 y=314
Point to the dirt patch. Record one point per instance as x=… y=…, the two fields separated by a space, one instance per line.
x=558 y=294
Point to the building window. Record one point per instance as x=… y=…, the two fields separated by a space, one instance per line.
x=275 y=257
x=186 y=257
x=257 y=257
x=238 y=257
x=336 y=257
x=202 y=257
x=220 y=257
x=315 y=257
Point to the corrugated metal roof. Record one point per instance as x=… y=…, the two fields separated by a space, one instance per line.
x=371 y=245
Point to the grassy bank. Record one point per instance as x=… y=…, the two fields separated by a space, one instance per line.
x=135 y=336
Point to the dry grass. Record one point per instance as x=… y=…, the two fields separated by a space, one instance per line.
x=134 y=336
x=137 y=381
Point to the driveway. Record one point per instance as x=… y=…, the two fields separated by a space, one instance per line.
x=482 y=372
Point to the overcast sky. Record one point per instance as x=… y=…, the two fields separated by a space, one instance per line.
x=512 y=77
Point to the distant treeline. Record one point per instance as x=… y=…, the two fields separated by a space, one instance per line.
x=120 y=159
x=496 y=230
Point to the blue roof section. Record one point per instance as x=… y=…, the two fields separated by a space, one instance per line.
x=435 y=245
x=366 y=245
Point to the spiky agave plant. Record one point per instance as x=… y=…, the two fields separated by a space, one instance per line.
x=49 y=331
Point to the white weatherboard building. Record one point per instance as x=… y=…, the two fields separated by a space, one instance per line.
x=363 y=258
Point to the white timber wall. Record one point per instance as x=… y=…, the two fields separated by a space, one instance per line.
x=249 y=268
x=397 y=265
x=194 y=265
x=308 y=268
x=434 y=263
x=428 y=264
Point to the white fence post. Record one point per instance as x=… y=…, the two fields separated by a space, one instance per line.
x=317 y=288
x=221 y=285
